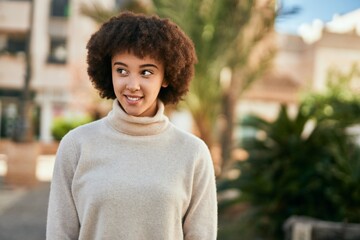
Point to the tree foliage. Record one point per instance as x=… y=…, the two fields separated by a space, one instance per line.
x=227 y=33
x=306 y=165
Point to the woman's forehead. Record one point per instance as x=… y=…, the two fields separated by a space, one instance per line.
x=139 y=54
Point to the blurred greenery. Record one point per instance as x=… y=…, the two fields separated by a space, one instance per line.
x=306 y=165
x=62 y=125
x=228 y=34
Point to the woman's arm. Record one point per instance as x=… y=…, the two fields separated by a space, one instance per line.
x=200 y=222
x=62 y=220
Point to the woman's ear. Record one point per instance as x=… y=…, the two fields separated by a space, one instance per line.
x=164 y=84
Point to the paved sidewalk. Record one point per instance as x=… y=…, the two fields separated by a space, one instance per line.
x=23 y=212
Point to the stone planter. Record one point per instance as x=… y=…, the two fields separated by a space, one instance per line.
x=49 y=148
x=306 y=228
x=21 y=164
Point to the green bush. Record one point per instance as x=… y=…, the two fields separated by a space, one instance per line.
x=306 y=165
x=63 y=125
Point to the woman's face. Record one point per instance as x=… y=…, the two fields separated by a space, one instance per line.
x=137 y=82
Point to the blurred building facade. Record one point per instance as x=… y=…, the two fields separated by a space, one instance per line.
x=303 y=62
x=60 y=83
x=58 y=58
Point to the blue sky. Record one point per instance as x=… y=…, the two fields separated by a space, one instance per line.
x=310 y=10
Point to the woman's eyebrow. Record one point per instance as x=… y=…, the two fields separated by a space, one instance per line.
x=148 y=65
x=120 y=63
x=141 y=66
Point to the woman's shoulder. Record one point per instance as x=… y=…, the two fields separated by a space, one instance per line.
x=189 y=138
x=194 y=150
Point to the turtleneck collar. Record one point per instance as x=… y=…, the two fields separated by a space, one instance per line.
x=137 y=126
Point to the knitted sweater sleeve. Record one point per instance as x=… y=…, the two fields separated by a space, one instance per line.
x=62 y=220
x=200 y=222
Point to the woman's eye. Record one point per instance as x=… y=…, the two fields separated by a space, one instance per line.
x=121 y=71
x=146 y=73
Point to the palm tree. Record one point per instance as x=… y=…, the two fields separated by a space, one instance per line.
x=100 y=14
x=228 y=33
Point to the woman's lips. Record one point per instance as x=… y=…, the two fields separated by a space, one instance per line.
x=133 y=99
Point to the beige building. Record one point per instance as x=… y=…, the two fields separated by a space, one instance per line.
x=58 y=57
x=302 y=63
x=60 y=84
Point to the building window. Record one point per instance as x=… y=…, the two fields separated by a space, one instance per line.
x=59 y=8
x=12 y=45
x=16 y=44
x=58 y=51
x=8 y=116
x=3 y=43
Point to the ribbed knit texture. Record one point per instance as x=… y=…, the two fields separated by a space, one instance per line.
x=132 y=178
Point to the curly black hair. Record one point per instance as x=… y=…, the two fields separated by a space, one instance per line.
x=142 y=35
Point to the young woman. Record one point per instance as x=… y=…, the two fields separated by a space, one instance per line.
x=133 y=175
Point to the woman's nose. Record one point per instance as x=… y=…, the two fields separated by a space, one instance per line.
x=133 y=84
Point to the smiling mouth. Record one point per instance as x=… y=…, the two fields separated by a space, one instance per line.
x=133 y=98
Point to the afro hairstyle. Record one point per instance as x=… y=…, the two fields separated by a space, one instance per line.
x=142 y=35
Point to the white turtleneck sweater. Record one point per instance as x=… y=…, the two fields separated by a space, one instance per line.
x=132 y=178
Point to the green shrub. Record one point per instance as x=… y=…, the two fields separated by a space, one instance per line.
x=296 y=170
x=63 y=125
